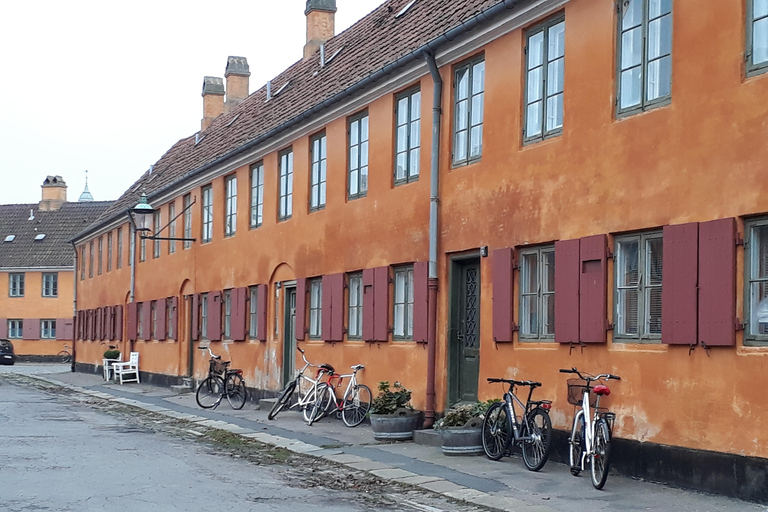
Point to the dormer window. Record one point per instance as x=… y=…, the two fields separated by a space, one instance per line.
x=10 y=238
x=39 y=237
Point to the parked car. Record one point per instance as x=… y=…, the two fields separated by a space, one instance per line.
x=6 y=352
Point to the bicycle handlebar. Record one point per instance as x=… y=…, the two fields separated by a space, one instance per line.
x=214 y=356
x=517 y=382
x=590 y=378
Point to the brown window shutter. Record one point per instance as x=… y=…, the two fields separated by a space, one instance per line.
x=239 y=313
x=420 y=301
x=337 y=307
x=174 y=312
x=261 y=312
x=381 y=304
x=567 y=265
x=327 y=308
x=98 y=319
x=680 y=279
x=214 y=316
x=92 y=324
x=3 y=327
x=108 y=322
x=161 y=309
x=717 y=282
x=119 y=323
x=502 y=261
x=593 y=289
x=146 y=321
x=301 y=308
x=65 y=329
x=132 y=322
x=368 y=304
x=195 y=313
x=77 y=326
x=31 y=329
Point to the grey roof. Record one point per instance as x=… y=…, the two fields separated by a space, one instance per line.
x=59 y=226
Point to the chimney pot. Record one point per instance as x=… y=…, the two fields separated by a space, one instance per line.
x=54 y=193
x=320 y=24
x=213 y=100
x=237 y=74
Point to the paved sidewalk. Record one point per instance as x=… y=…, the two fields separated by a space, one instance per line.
x=504 y=485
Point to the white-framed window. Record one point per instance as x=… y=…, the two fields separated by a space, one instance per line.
x=16 y=284
x=403 y=303
x=355 y=307
x=50 y=284
x=257 y=194
x=140 y=319
x=639 y=264
x=153 y=316
x=156 y=245
x=90 y=260
x=82 y=262
x=169 y=331
x=101 y=252
x=142 y=249
x=207 y=214
x=756 y=282
x=469 y=91
x=204 y=316
x=358 y=155
x=109 y=252
x=407 y=136
x=230 y=205
x=318 y=156
x=119 y=247
x=757 y=36
x=286 y=185
x=15 y=329
x=227 y=314
x=253 y=316
x=544 y=77
x=537 y=293
x=172 y=227
x=48 y=329
x=186 y=220
x=315 y=308
x=645 y=54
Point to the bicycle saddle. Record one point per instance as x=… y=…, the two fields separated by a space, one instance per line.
x=601 y=390
x=328 y=368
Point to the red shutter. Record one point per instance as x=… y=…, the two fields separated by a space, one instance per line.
x=717 y=282
x=78 y=324
x=337 y=309
x=3 y=327
x=300 y=325
x=146 y=320
x=195 y=334
x=109 y=322
x=161 y=310
x=239 y=313
x=368 y=304
x=31 y=329
x=381 y=304
x=261 y=312
x=567 y=291
x=64 y=329
x=118 y=323
x=327 y=308
x=593 y=289
x=214 y=316
x=132 y=321
x=100 y=323
x=503 y=296
x=174 y=312
x=680 y=284
x=92 y=324
x=420 y=301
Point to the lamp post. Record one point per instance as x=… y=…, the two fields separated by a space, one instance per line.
x=141 y=215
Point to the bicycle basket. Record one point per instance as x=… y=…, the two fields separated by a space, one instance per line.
x=218 y=366
x=576 y=392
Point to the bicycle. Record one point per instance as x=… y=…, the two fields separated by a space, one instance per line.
x=221 y=382
x=306 y=397
x=533 y=433
x=353 y=407
x=65 y=356
x=590 y=436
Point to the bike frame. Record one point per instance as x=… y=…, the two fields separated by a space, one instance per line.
x=590 y=420
x=313 y=383
x=510 y=398
x=350 y=385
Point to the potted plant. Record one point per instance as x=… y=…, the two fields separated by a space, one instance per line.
x=392 y=416
x=112 y=354
x=461 y=428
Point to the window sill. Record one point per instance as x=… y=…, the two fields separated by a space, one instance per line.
x=533 y=142
x=631 y=112
x=458 y=165
x=761 y=69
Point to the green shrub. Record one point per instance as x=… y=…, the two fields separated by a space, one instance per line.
x=111 y=354
x=390 y=400
x=460 y=414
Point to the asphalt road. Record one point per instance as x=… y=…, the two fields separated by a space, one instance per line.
x=64 y=451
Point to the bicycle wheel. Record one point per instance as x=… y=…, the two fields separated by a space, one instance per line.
x=601 y=459
x=64 y=357
x=357 y=403
x=576 y=444
x=497 y=431
x=538 y=426
x=236 y=392
x=324 y=403
x=209 y=392
x=309 y=400
x=283 y=400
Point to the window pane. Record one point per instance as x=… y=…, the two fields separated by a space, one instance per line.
x=555 y=112
x=477 y=109
x=400 y=287
x=462 y=115
x=631 y=85
x=657 y=8
x=631 y=48
x=415 y=161
x=760 y=41
x=660 y=37
x=655 y=260
x=548 y=273
x=627 y=310
x=416 y=105
x=627 y=274
x=535 y=79
x=364 y=128
x=460 y=146
x=760 y=9
x=633 y=14
x=353 y=185
x=462 y=83
x=399 y=320
x=354 y=132
x=556 y=40
x=529 y=273
x=653 y=311
x=536 y=50
x=402 y=163
x=415 y=132
x=555 y=76
x=402 y=138
x=476 y=142
x=533 y=119
x=478 y=77
x=529 y=315
x=759 y=308
x=354 y=160
x=402 y=111
x=548 y=315
x=659 y=78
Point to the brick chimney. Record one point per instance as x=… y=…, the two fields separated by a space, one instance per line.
x=213 y=100
x=237 y=74
x=320 y=19
x=54 y=193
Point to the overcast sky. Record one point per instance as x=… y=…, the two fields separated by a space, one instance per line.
x=110 y=86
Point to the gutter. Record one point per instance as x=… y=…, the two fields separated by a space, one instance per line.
x=416 y=55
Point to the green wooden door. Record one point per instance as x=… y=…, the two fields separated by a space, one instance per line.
x=465 y=331
x=289 y=336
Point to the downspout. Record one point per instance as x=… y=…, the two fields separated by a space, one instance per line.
x=434 y=201
x=132 y=259
x=74 y=310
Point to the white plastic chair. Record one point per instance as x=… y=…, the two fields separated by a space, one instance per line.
x=107 y=366
x=129 y=370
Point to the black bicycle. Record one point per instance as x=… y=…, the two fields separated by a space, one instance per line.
x=221 y=382
x=532 y=431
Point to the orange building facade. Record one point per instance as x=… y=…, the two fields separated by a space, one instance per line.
x=601 y=204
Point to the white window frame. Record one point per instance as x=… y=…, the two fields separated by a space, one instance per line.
x=186 y=222
x=318 y=171
x=544 y=80
x=359 y=133
x=468 y=111
x=407 y=136
x=230 y=205
x=50 y=284
x=536 y=291
x=402 y=328
x=119 y=247
x=15 y=329
x=257 y=194
x=48 y=329
x=253 y=312
x=157 y=222
x=285 y=192
x=16 y=284
x=204 y=316
x=206 y=217
x=355 y=306
x=316 y=308
x=755 y=19
x=172 y=227
x=754 y=312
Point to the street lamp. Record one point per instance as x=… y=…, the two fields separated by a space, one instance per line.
x=141 y=214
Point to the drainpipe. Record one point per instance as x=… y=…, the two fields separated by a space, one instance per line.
x=74 y=309
x=132 y=256
x=434 y=201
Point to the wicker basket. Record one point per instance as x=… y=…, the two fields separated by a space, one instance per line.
x=218 y=366
x=576 y=389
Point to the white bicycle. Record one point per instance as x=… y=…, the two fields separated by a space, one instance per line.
x=590 y=441
x=353 y=407
x=306 y=389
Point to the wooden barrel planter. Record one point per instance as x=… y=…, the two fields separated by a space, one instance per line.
x=464 y=440
x=398 y=426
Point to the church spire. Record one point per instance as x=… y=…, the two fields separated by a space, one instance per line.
x=86 y=196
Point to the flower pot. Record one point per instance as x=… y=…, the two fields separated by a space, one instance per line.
x=464 y=440
x=398 y=426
